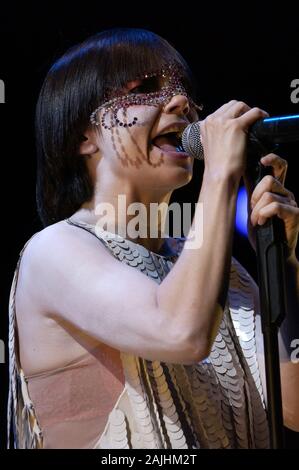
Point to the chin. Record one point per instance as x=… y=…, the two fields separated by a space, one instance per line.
x=176 y=178
x=184 y=180
x=175 y=171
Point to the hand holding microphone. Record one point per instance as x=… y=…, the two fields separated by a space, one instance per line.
x=267 y=131
x=221 y=138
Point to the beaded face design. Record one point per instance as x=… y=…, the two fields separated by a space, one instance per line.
x=154 y=89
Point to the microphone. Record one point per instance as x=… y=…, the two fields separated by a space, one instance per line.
x=267 y=132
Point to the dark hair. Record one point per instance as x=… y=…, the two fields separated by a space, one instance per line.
x=73 y=88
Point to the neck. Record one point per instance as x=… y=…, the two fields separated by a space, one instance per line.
x=135 y=214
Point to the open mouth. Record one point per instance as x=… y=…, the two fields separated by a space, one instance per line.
x=169 y=142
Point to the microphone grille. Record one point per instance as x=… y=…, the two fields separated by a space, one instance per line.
x=191 y=141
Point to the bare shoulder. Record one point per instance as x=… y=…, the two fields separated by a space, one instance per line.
x=51 y=256
x=64 y=267
x=59 y=236
x=59 y=247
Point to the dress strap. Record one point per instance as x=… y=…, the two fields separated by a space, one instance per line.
x=22 y=424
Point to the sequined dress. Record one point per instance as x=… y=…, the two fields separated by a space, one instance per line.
x=216 y=403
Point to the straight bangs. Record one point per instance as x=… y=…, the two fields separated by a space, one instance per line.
x=129 y=54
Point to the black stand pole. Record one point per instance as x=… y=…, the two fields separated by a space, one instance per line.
x=270 y=242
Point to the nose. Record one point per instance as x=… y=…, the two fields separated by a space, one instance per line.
x=178 y=104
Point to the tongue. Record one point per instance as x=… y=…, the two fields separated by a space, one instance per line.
x=165 y=143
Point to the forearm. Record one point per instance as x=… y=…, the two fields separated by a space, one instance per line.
x=193 y=294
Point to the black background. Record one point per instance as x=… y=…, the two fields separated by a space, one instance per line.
x=246 y=51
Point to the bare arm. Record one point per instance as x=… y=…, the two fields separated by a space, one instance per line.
x=79 y=282
x=195 y=289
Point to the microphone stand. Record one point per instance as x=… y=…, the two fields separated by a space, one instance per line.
x=270 y=246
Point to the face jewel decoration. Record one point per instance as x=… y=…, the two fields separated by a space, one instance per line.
x=155 y=89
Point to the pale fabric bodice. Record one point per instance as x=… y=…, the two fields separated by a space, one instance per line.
x=217 y=403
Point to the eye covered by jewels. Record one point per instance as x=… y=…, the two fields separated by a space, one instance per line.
x=154 y=89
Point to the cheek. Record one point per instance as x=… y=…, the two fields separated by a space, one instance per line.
x=139 y=121
x=142 y=118
x=130 y=141
x=140 y=115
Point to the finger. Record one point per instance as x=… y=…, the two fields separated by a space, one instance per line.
x=279 y=165
x=269 y=184
x=236 y=110
x=266 y=199
x=283 y=211
x=251 y=116
x=224 y=107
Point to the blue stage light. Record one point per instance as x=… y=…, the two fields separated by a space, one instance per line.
x=283 y=118
x=241 y=215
